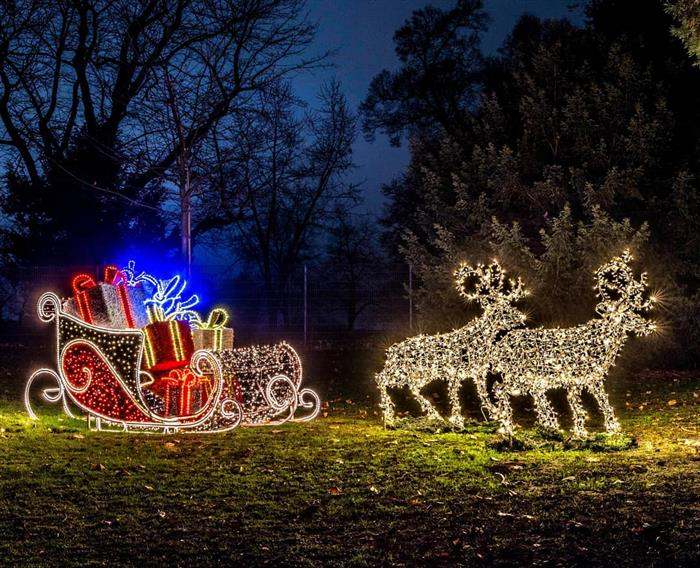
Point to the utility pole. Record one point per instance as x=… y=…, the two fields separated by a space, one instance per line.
x=410 y=297
x=184 y=180
x=306 y=305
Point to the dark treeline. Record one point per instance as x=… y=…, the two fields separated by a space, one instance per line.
x=173 y=123
x=568 y=145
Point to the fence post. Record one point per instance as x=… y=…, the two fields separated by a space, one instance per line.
x=410 y=297
x=306 y=305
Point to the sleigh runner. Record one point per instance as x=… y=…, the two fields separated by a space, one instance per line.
x=100 y=371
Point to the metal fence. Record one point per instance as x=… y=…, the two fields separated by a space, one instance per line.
x=311 y=308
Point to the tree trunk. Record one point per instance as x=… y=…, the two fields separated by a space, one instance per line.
x=186 y=228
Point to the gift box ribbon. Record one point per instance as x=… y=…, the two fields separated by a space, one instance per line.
x=151 y=342
x=117 y=278
x=81 y=284
x=216 y=322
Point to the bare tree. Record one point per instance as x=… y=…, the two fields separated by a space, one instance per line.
x=84 y=78
x=353 y=263
x=292 y=170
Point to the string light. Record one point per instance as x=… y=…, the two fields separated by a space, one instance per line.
x=533 y=361
x=460 y=354
x=212 y=333
x=269 y=377
x=99 y=370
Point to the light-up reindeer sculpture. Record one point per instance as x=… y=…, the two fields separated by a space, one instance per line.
x=532 y=361
x=459 y=354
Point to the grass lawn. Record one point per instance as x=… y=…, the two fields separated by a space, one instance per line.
x=345 y=491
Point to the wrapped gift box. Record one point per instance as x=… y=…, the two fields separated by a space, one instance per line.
x=98 y=303
x=168 y=345
x=183 y=392
x=111 y=303
x=214 y=339
x=168 y=389
x=212 y=333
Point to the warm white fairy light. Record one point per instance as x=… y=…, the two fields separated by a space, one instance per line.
x=460 y=354
x=533 y=361
x=269 y=379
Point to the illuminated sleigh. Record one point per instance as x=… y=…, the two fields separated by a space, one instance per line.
x=99 y=371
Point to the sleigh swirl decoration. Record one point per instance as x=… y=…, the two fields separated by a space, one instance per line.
x=102 y=372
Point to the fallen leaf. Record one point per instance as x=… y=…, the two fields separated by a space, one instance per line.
x=672 y=402
x=335 y=491
x=149 y=487
x=97 y=467
x=76 y=436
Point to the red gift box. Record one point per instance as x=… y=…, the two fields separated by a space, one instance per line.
x=183 y=392
x=132 y=298
x=168 y=388
x=168 y=345
x=110 y=303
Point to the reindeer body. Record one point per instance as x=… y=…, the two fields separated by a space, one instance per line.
x=452 y=357
x=533 y=361
x=543 y=353
x=456 y=355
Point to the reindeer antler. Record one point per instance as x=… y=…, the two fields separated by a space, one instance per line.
x=615 y=283
x=489 y=284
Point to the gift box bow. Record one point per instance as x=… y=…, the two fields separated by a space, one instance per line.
x=218 y=318
x=167 y=303
x=114 y=276
x=216 y=323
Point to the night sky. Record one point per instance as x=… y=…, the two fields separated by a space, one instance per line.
x=361 y=33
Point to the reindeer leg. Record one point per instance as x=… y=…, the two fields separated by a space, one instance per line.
x=503 y=410
x=453 y=384
x=598 y=391
x=425 y=404
x=573 y=395
x=387 y=405
x=545 y=413
x=482 y=391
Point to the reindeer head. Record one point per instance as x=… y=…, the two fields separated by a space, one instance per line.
x=488 y=285
x=622 y=298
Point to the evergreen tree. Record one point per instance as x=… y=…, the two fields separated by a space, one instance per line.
x=583 y=140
